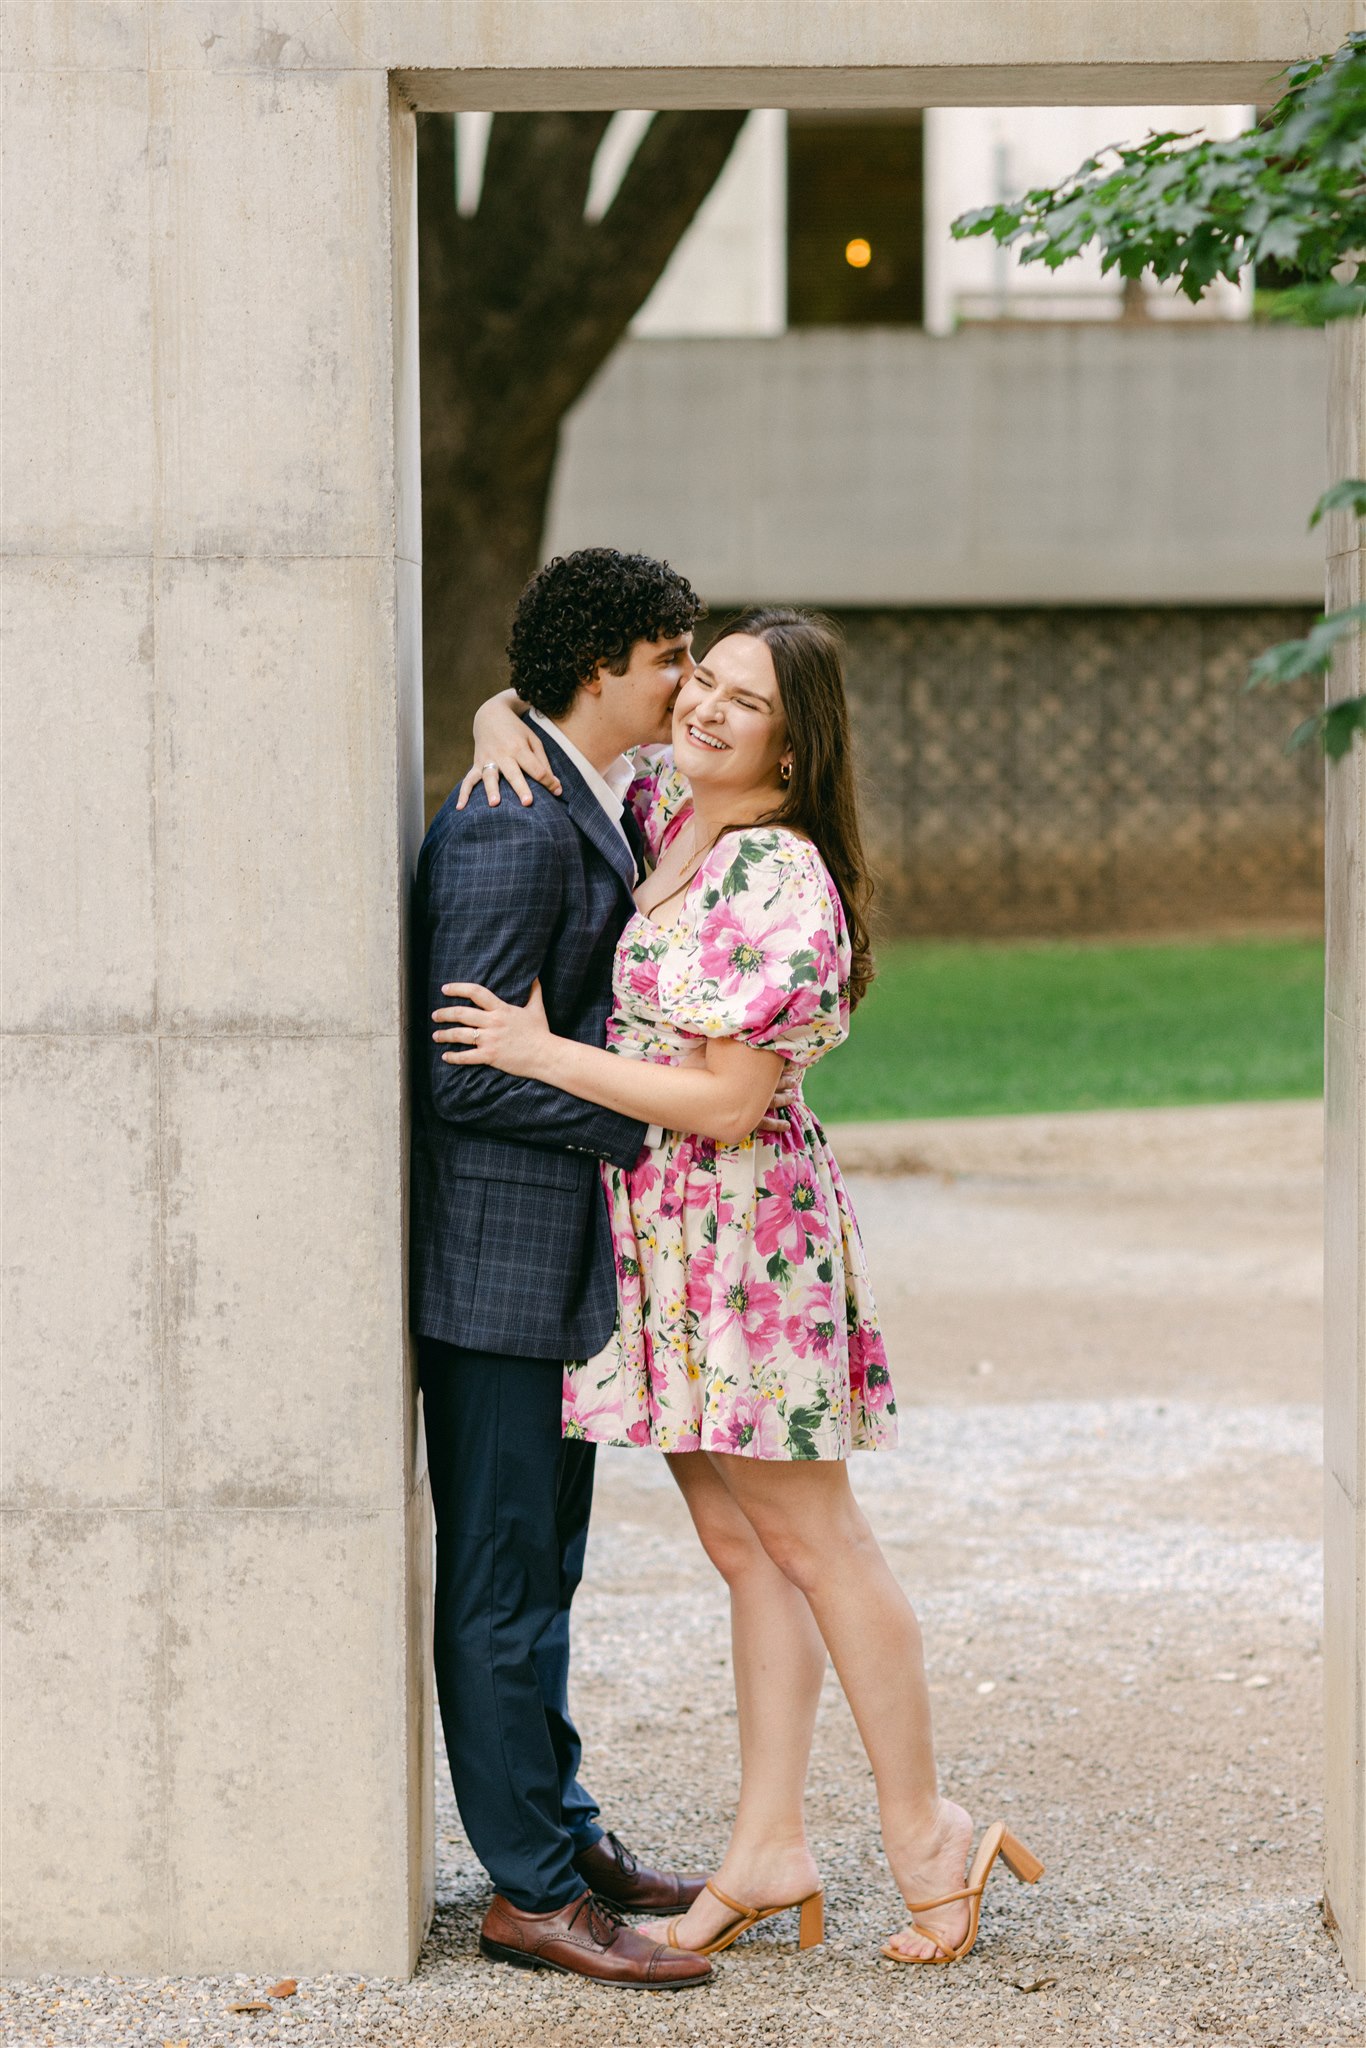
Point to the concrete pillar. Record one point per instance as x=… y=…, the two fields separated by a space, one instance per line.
x=216 y=1720
x=1345 y=1211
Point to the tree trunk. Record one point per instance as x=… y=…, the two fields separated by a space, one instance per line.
x=519 y=306
x=481 y=539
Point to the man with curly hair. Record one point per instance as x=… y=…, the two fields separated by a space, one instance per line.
x=512 y=1263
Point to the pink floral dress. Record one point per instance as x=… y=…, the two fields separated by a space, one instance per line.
x=746 y=1322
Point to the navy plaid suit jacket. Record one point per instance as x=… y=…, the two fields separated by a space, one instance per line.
x=510 y=1246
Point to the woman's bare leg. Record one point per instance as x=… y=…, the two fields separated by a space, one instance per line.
x=779 y=1661
x=805 y=1515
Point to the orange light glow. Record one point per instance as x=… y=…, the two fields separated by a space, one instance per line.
x=858 y=254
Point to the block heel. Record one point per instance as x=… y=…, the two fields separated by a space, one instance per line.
x=810 y=1928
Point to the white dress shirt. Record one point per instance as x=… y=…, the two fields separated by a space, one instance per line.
x=609 y=785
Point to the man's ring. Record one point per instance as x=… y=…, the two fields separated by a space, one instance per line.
x=487 y=766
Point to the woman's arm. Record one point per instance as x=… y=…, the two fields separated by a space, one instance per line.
x=504 y=746
x=722 y=1096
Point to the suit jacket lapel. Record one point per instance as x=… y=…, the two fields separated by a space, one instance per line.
x=588 y=814
x=635 y=839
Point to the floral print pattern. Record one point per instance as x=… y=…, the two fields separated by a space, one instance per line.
x=746 y=1323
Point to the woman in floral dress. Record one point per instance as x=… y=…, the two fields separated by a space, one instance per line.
x=747 y=1345
x=746 y=1320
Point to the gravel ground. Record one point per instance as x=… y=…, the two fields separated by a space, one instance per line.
x=1111 y=1536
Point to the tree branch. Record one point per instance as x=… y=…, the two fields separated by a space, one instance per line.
x=531 y=204
x=578 y=292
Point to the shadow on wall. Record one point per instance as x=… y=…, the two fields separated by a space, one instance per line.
x=1084 y=770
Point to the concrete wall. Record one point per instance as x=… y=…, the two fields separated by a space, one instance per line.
x=1078 y=464
x=216 y=1725
x=1344 y=1307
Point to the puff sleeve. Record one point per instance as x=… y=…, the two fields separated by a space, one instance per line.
x=769 y=961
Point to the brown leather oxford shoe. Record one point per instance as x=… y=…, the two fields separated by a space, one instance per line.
x=587 y=1939
x=610 y=1870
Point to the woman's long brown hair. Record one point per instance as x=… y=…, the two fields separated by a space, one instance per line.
x=820 y=799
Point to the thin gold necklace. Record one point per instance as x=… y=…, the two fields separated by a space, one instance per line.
x=690 y=872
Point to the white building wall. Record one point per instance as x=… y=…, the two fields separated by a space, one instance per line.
x=1054 y=464
x=728 y=275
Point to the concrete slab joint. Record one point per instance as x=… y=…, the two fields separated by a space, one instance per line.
x=216 y=1717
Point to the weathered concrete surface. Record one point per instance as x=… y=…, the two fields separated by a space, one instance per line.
x=213 y=1553
x=1345 y=1214
x=657 y=53
x=998 y=466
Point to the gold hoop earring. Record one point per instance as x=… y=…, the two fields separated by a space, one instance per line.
x=785 y=770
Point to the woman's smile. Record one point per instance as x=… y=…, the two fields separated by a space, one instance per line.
x=707 y=739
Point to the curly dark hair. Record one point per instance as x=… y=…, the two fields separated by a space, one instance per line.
x=588 y=607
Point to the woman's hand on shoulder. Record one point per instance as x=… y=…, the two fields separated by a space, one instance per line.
x=507 y=751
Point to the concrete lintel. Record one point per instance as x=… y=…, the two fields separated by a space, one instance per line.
x=681 y=52
x=891 y=85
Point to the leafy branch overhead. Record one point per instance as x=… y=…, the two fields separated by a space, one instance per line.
x=1291 y=191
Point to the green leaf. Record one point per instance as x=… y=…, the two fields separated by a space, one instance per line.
x=1313 y=655
x=1348 y=496
x=1312 y=305
x=1336 y=726
x=1280 y=240
x=736 y=877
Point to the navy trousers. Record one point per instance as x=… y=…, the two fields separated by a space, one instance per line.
x=512 y=1500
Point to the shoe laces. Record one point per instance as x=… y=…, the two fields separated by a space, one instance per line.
x=604 y=1921
x=623 y=1855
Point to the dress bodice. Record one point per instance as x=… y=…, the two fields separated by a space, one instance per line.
x=756 y=947
x=746 y=1323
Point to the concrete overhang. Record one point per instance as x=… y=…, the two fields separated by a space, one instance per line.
x=660 y=53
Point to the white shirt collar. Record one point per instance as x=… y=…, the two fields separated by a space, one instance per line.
x=609 y=785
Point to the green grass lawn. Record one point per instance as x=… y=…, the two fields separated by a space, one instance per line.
x=963 y=1029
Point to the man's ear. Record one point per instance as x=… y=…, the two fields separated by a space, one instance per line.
x=593 y=683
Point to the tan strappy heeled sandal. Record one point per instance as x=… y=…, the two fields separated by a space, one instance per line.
x=997 y=1841
x=810 y=1929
